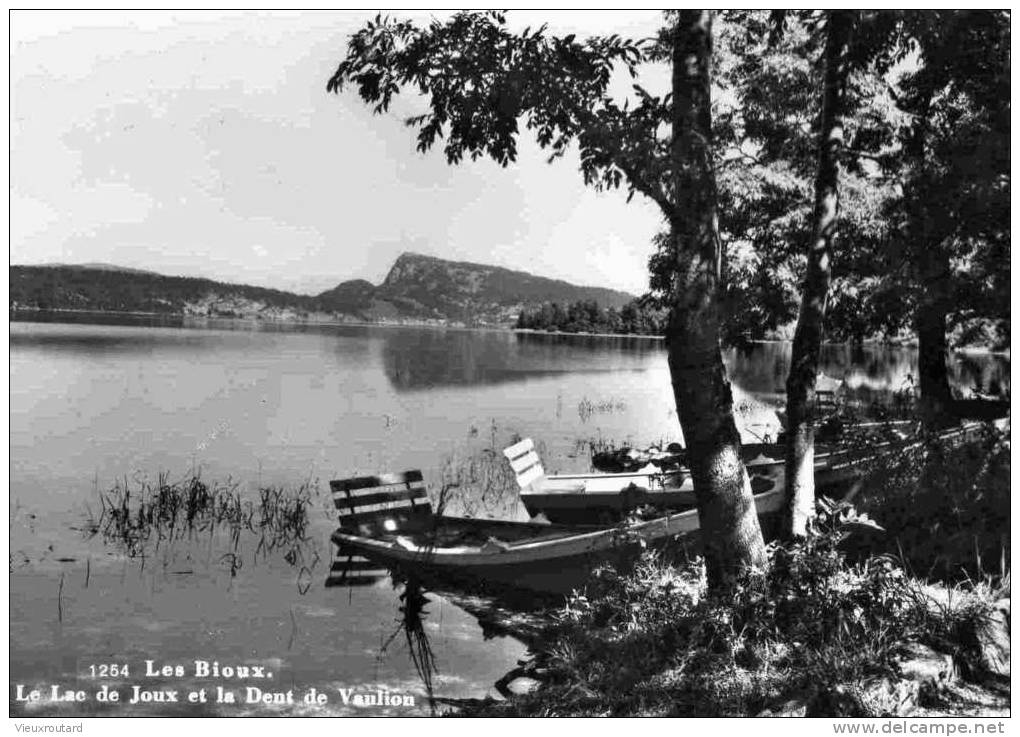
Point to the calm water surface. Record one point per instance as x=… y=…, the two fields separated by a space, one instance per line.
x=282 y=405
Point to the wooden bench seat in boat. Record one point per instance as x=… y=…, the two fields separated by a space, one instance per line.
x=385 y=503
x=394 y=508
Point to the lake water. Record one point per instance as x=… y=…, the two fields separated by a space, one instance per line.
x=282 y=405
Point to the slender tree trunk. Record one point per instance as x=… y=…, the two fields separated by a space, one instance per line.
x=807 y=340
x=731 y=534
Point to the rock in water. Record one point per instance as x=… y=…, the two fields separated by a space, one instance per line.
x=523 y=685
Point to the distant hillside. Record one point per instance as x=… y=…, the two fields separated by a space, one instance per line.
x=416 y=288
x=101 y=266
x=115 y=290
x=352 y=297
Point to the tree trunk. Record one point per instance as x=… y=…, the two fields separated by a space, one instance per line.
x=933 y=349
x=807 y=340
x=933 y=273
x=731 y=535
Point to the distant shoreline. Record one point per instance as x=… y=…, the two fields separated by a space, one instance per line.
x=533 y=331
x=354 y=323
x=977 y=350
x=262 y=320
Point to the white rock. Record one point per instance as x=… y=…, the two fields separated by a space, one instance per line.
x=523 y=685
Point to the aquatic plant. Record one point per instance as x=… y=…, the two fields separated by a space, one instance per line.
x=140 y=518
x=586 y=408
x=476 y=483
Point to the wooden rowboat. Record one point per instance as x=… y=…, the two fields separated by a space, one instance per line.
x=387 y=519
x=606 y=498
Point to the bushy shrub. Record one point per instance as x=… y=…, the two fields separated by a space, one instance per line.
x=945 y=509
x=654 y=641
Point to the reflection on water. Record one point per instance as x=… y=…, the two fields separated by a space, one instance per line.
x=98 y=318
x=866 y=371
x=412 y=626
x=425 y=359
x=513 y=615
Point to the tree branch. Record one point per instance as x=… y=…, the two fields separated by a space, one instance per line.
x=648 y=189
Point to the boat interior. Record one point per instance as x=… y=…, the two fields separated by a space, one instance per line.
x=425 y=529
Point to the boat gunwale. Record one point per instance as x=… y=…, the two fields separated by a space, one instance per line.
x=565 y=546
x=830 y=460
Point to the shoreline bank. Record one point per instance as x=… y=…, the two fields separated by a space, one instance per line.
x=256 y=320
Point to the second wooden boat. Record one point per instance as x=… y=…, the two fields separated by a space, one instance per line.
x=606 y=498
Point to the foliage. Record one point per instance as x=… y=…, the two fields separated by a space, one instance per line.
x=482 y=81
x=766 y=155
x=587 y=317
x=765 y=129
x=76 y=288
x=946 y=509
x=653 y=642
x=955 y=170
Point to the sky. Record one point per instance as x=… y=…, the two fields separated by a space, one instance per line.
x=205 y=144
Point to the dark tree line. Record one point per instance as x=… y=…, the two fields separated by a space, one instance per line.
x=74 y=288
x=585 y=316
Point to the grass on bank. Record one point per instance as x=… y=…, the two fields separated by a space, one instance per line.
x=836 y=612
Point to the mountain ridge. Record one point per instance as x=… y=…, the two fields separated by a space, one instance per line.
x=416 y=288
x=100 y=266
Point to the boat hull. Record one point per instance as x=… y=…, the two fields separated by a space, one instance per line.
x=555 y=565
x=608 y=498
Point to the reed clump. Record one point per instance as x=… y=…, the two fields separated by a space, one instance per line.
x=586 y=408
x=476 y=483
x=140 y=517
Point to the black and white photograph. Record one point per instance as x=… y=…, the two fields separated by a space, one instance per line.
x=510 y=363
